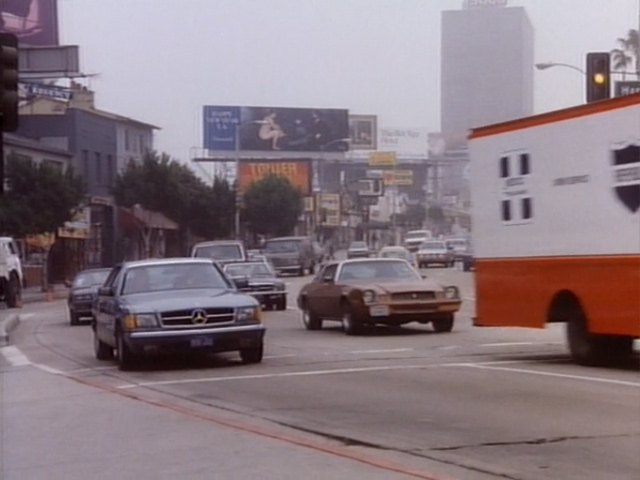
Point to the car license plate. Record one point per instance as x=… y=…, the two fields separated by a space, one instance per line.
x=201 y=342
x=379 y=311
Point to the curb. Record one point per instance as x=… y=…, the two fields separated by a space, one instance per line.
x=6 y=325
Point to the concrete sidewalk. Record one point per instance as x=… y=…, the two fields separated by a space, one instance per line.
x=10 y=318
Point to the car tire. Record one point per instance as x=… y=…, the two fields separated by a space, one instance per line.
x=126 y=358
x=281 y=304
x=101 y=349
x=444 y=324
x=253 y=354
x=350 y=324
x=14 y=294
x=74 y=319
x=310 y=320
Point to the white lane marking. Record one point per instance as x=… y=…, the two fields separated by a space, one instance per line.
x=26 y=316
x=48 y=369
x=90 y=369
x=506 y=344
x=470 y=298
x=14 y=356
x=292 y=308
x=271 y=375
x=389 y=350
x=281 y=356
x=487 y=366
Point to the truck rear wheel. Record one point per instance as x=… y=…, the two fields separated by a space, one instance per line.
x=14 y=298
x=594 y=350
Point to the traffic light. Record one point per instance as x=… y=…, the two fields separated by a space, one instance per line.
x=598 y=76
x=9 y=81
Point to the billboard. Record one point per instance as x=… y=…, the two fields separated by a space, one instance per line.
x=363 y=132
x=233 y=128
x=296 y=171
x=34 y=22
x=407 y=142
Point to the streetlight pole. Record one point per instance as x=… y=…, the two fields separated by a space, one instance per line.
x=237 y=190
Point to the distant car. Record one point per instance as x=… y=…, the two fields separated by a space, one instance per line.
x=387 y=291
x=222 y=251
x=180 y=304
x=414 y=238
x=434 y=252
x=260 y=282
x=358 y=249
x=458 y=247
x=82 y=292
x=397 y=252
x=291 y=254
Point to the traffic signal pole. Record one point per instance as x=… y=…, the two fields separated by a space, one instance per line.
x=8 y=92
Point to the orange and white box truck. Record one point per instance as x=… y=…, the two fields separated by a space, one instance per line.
x=556 y=224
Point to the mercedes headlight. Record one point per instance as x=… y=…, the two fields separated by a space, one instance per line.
x=139 y=320
x=248 y=314
x=451 y=292
x=368 y=297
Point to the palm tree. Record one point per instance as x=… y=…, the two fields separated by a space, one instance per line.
x=621 y=60
x=630 y=45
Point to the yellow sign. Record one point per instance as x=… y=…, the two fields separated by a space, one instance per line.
x=42 y=240
x=398 y=177
x=382 y=159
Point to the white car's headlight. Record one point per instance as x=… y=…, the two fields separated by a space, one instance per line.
x=248 y=314
x=368 y=296
x=451 y=292
x=139 y=320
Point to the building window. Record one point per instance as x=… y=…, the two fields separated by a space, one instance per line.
x=85 y=163
x=127 y=141
x=525 y=168
x=506 y=210
x=98 y=167
x=527 y=208
x=110 y=169
x=141 y=140
x=53 y=164
x=504 y=167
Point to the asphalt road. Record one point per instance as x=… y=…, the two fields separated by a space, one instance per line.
x=394 y=403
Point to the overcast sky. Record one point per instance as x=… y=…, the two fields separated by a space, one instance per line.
x=160 y=61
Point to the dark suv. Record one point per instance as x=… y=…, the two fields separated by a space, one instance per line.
x=291 y=254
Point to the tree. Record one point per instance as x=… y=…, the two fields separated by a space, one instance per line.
x=165 y=185
x=39 y=199
x=272 y=206
x=629 y=51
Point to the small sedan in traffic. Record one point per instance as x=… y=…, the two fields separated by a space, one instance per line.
x=365 y=292
x=82 y=292
x=358 y=249
x=434 y=252
x=181 y=304
x=259 y=281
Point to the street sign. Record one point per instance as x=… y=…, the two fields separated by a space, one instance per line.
x=627 y=88
x=382 y=159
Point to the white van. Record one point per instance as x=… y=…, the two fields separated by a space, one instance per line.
x=222 y=251
x=414 y=238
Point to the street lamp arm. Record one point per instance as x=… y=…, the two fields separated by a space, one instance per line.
x=545 y=65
